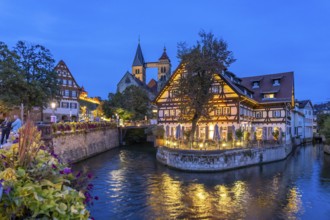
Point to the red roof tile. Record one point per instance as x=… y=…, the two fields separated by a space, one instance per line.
x=283 y=92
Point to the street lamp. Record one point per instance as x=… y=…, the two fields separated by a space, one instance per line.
x=53 y=116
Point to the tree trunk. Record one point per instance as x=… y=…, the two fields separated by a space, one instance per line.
x=193 y=129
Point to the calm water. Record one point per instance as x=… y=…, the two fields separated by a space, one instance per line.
x=132 y=185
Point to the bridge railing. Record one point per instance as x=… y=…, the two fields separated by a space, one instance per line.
x=136 y=123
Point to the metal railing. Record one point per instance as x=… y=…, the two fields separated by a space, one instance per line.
x=217 y=145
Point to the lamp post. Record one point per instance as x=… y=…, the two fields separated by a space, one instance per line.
x=53 y=116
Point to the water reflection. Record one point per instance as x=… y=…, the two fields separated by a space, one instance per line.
x=132 y=185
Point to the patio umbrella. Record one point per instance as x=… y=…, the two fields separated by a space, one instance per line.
x=167 y=132
x=216 y=134
x=234 y=133
x=220 y=132
x=178 y=132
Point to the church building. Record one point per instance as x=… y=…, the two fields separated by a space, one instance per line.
x=138 y=76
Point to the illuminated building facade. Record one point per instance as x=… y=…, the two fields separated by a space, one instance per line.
x=67 y=108
x=258 y=104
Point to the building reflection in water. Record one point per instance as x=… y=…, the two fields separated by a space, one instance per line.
x=294 y=204
x=132 y=185
x=175 y=199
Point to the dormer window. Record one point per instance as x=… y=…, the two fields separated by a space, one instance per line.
x=276 y=82
x=255 y=84
x=269 y=95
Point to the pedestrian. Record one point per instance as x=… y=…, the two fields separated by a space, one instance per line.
x=17 y=123
x=5 y=129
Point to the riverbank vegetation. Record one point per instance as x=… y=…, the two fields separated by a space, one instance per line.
x=37 y=185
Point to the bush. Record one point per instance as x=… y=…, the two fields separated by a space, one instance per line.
x=37 y=185
x=239 y=133
x=326 y=130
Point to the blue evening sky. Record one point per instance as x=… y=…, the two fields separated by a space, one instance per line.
x=97 y=39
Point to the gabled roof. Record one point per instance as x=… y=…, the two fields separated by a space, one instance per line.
x=164 y=55
x=138 y=82
x=237 y=88
x=284 y=91
x=152 y=85
x=60 y=66
x=138 y=59
x=303 y=103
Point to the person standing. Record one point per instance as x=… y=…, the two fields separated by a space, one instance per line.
x=17 y=123
x=5 y=129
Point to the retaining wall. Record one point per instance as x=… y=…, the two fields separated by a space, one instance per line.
x=220 y=160
x=74 y=147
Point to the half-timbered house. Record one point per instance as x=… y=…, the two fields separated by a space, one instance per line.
x=67 y=108
x=258 y=104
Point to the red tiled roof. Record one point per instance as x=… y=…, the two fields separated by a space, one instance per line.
x=152 y=85
x=283 y=92
x=164 y=55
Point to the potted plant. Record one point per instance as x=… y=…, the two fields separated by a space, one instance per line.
x=276 y=135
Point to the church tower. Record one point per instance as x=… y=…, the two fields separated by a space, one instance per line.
x=138 y=67
x=164 y=69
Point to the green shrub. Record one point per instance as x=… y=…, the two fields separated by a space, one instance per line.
x=37 y=185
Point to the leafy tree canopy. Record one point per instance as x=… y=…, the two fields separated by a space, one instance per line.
x=27 y=75
x=204 y=59
x=326 y=130
x=132 y=104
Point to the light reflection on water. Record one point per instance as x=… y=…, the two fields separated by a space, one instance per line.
x=132 y=185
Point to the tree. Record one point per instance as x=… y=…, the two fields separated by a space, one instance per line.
x=239 y=134
x=12 y=84
x=132 y=104
x=202 y=61
x=27 y=76
x=36 y=65
x=326 y=130
x=136 y=100
x=321 y=118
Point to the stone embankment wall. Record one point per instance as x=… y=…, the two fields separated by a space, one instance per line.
x=220 y=160
x=73 y=147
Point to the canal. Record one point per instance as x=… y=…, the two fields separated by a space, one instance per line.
x=131 y=184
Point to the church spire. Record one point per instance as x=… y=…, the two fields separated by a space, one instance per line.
x=138 y=59
x=164 y=55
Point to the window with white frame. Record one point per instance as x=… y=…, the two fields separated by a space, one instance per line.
x=64 y=104
x=277 y=113
x=259 y=114
x=255 y=84
x=73 y=105
x=74 y=93
x=66 y=92
x=215 y=89
x=276 y=82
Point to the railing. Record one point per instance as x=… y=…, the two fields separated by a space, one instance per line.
x=217 y=145
x=136 y=123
